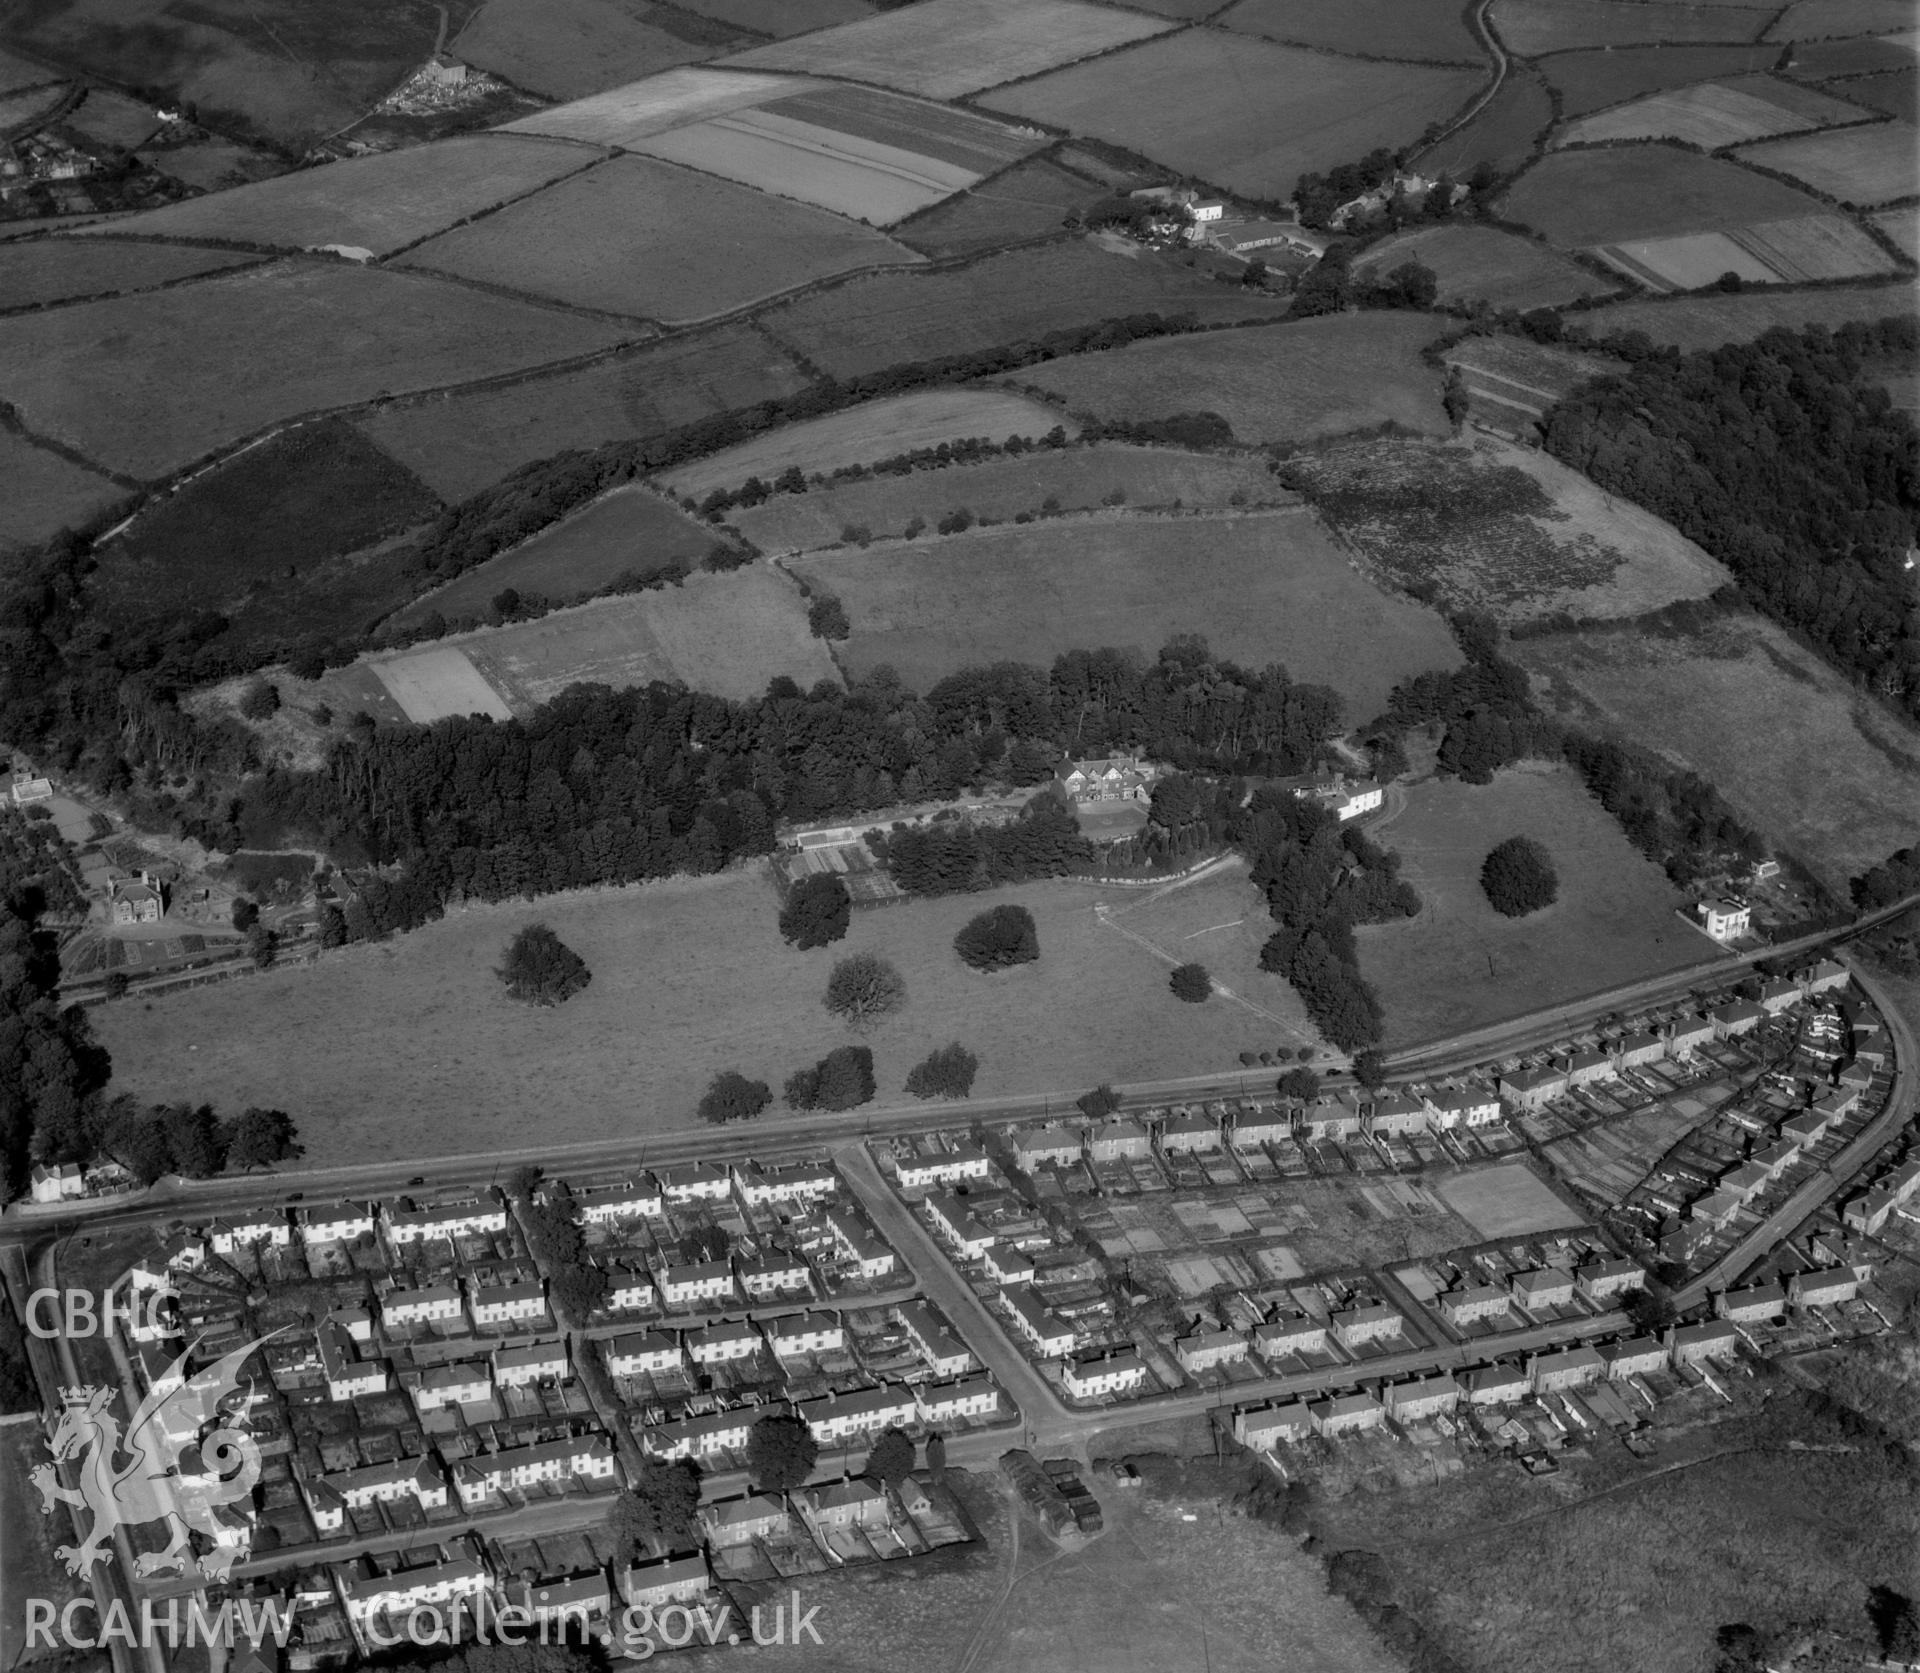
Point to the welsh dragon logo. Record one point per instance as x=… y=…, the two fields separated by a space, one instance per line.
x=135 y=1478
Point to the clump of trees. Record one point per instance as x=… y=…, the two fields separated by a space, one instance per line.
x=998 y=939
x=890 y=1458
x=730 y=1096
x=1098 y=1104
x=552 y=1225
x=827 y=617
x=781 y=1452
x=956 y=856
x=842 y=1080
x=1299 y=1083
x=656 y=1511
x=864 y=989
x=1517 y=877
x=1191 y=983
x=187 y=1139
x=541 y=969
x=817 y=911
x=945 y=1073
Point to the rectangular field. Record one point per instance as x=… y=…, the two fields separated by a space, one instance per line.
x=1260 y=587
x=433 y=684
x=1533 y=27
x=946 y=49
x=460 y=444
x=565 y=49
x=1864 y=55
x=1865 y=165
x=862 y=434
x=148 y=383
x=1507 y=1200
x=1715 y=114
x=1903 y=227
x=1773 y=252
x=625 y=115
x=643 y=238
x=997 y=490
x=1487 y=265
x=1032 y=200
x=781 y=18
x=1815 y=20
x=1241 y=112
x=1837 y=780
x=1590 y=81
x=1631 y=192
x=1459 y=965
x=45 y=493
x=380 y=203
x=1295 y=382
x=1685 y=263
x=1433 y=31
x=67 y=269
x=890 y=319
x=1705 y=322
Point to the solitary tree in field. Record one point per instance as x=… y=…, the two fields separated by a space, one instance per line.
x=817 y=911
x=1191 y=983
x=945 y=1073
x=541 y=969
x=864 y=989
x=999 y=939
x=730 y=1096
x=1519 y=878
x=780 y=1453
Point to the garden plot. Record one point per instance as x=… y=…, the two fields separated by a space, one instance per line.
x=1715 y=114
x=1876 y=163
x=946 y=49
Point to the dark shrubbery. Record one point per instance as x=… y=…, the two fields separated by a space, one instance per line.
x=541 y=969
x=998 y=939
x=945 y=1073
x=1518 y=877
x=817 y=911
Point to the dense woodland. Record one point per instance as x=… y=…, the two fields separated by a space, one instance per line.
x=1783 y=463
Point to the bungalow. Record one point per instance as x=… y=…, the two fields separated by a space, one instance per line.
x=462 y=1580
x=1208 y=1350
x=974 y=1396
x=433 y=1304
x=1806 y=1129
x=777 y=1272
x=1565 y=1368
x=1546 y=1286
x=485 y=1475
x=699 y=1437
x=1725 y=919
x=584 y=1598
x=1420 y=1397
x=1091 y=1376
x=1533 y=1089
x=467 y=1217
x=58 y=1182
x=696 y=1282
x=1755 y=1304
x=954 y=1221
x=1633 y=1356
x=1045 y=1331
x=793 y=1334
x=1718 y=1209
x=1636 y=1049
x=1779 y=995
x=630 y=1289
x=517 y=1367
x=1583 y=1068
x=1742 y=1016
x=1190 y=1133
x=1058 y=1147
x=741 y=1521
x=504 y=1304
x=625 y=1199
x=468 y=1383
x=964 y=1161
x=338 y=1222
x=837 y=1417
x=1292 y=1333
x=1688 y=1035
x=1118 y=1140
x=1346 y=1415
x=945 y=1357
x=1825 y=1288
x=1332 y=1119
x=1254 y=1127
x=331 y=1496
x=673 y=1579
x=915 y=1500
x=694 y=1182
x=248 y=1228
x=1469 y=1306
x=865 y=1253
x=1688 y=1344
x=1353 y=1326
x=855 y=1502
x=1497 y=1385
x=1603 y=1282
x=1007 y=1264
x=1398 y=1112
x=723 y=1343
x=643 y=1351
x=1262 y=1428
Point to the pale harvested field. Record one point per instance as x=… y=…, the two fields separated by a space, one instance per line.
x=1239 y=111
x=1297 y=382
x=1260 y=587
x=1685 y=263
x=862 y=434
x=1835 y=780
x=460 y=444
x=380 y=203
x=1866 y=165
x=565 y=49
x=1487 y=265
x=639 y=237
x=1703 y=322
x=1510 y=1200
x=1644 y=191
x=433 y=684
x=45 y=493
x=411 y=1048
x=623 y=115
x=148 y=383
x=1532 y=27
x=729 y=634
x=1459 y=965
x=998 y=490
x=66 y=269
x=1814 y=20
x=946 y=49
x=1715 y=114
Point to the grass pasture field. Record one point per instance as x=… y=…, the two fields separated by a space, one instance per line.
x=436 y=683
x=1819 y=20
x=946 y=49
x=380 y=203
x=631 y=528
x=1484 y=264
x=146 y=384
x=67 y=269
x=1866 y=165
x=114 y=119
x=1864 y=55
x=462 y=443
x=1903 y=227
x=1535 y=27
x=1431 y=31
x=1296 y=382
x=781 y=18
x=1261 y=587
x=214 y=165
x=1503 y=134
x=16 y=73
x=870 y=431
x=887 y=319
x=1459 y=965
x=1635 y=192
x=690 y=976
x=1768 y=252
x=1715 y=113
x=1508 y=1200
x=1031 y=200
x=1589 y=81
x=1896 y=95
x=997 y=490
x=646 y=239
x=45 y=493
x=565 y=49
x=1241 y=112
x=1836 y=780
